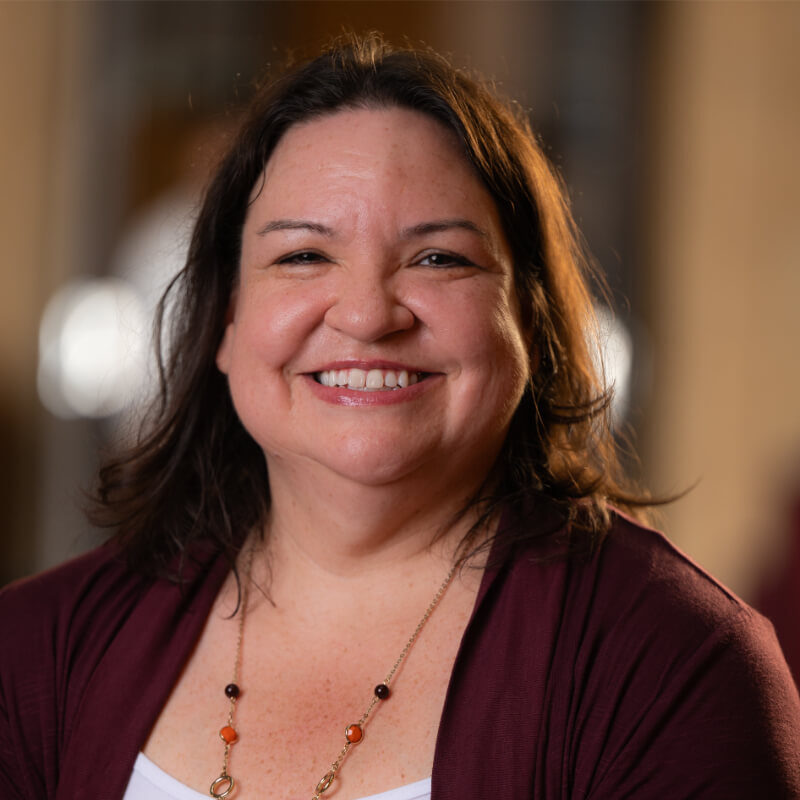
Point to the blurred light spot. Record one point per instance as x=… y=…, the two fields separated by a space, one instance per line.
x=151 y=252
x=613 y=356
x=93 y=341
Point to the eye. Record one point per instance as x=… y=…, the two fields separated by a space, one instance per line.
x=443 y=260
x=302 y=257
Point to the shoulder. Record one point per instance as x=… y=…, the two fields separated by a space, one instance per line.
x=88 y=644
x=52 y=607
x=654 y=602
x=651 y=660
x=65 y=619
x=635 y=575
x=67 y=580
x=639 y=602
x=55 y=627
x=637 y=565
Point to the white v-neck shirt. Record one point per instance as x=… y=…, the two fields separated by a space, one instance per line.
x=150 y=782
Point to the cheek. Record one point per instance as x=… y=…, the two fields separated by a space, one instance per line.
x=225 y=350
x=513 y=343
x=508 y=361
x=270 y=326
x=480 y=329
x=485 y=328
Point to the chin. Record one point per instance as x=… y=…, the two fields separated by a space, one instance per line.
x=375 y=469
x=372 y=463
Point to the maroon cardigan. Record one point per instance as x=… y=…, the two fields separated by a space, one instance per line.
x=632 y=674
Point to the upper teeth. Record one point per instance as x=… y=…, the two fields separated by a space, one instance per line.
x=368 y=380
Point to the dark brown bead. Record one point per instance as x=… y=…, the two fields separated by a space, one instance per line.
x=232 y=691
x=382 y=691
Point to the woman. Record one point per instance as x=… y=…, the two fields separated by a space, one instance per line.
x=368 y=546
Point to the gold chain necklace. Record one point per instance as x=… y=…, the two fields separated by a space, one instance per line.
x=224 y=785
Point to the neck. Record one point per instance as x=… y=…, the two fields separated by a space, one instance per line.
x=346 y=530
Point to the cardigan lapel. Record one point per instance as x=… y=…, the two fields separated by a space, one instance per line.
x=132 y=682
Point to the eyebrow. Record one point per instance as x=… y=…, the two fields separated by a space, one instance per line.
x=423 y=228
x=294 y=225
x=439 y=225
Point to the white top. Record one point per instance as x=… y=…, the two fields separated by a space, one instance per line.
x=149 y=782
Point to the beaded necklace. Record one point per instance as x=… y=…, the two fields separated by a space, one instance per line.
x=224 y=785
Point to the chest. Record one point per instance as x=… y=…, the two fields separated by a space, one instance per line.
x=301 y=686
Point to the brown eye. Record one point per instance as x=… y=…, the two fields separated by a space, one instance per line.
x=442 y=260
x=302 y=257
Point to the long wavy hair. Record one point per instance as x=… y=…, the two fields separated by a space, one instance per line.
x=195 y=475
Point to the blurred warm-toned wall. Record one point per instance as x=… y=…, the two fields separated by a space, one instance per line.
x=23 y=137
x=37 y=56
x=43 y=70
x=712 y=281
x=723 y=260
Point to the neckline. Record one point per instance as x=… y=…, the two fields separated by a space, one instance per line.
x=163 y=780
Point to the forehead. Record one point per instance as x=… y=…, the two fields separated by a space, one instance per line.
x=365 y=132
x=387 y=158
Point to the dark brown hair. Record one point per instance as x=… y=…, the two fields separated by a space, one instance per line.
x=195 y=475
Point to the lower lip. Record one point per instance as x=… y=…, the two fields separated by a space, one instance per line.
x=342 y=396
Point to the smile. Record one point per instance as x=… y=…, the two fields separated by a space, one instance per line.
x=373 y=380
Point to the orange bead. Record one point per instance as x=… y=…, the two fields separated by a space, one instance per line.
x=228 y=735
x=353 y=733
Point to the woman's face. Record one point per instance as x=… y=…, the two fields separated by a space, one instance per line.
x=374 y=333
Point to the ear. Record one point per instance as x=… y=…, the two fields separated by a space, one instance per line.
x=225 y=349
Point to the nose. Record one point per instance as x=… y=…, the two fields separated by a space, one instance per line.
x=368 y=308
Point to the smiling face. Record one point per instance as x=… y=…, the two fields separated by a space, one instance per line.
x=374 y=334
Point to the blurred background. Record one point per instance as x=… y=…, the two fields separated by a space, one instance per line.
x=674 y=125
